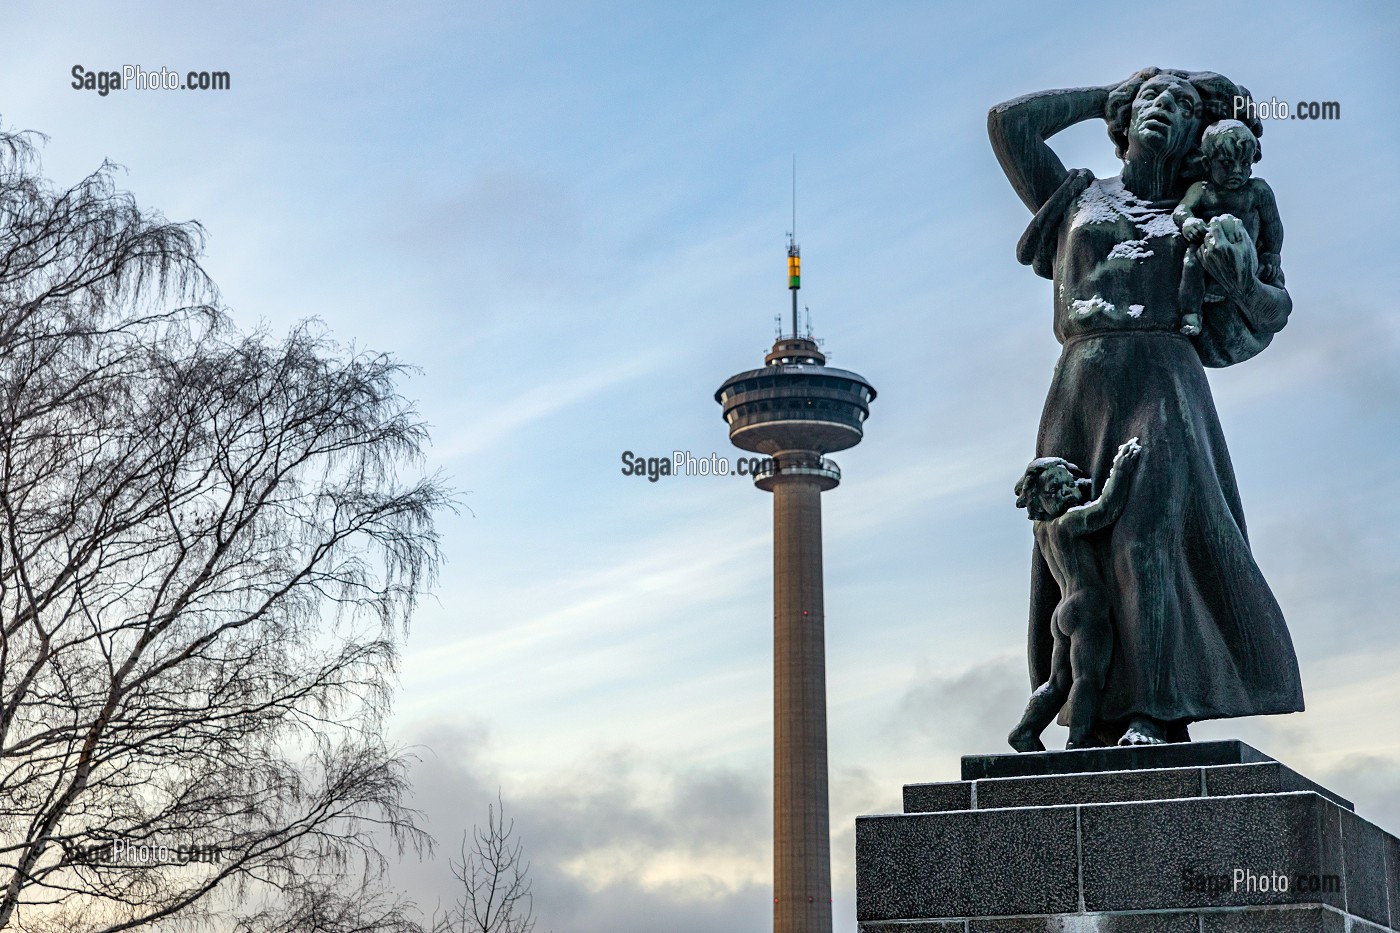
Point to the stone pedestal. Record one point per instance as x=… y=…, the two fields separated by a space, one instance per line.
x=1204 y=837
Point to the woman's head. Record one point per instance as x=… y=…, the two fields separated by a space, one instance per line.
x=1166 y=110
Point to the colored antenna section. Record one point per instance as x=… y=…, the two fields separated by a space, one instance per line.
x=794 y=261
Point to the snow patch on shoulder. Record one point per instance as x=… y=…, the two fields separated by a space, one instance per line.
x=1106 y=201
x=1158 y=223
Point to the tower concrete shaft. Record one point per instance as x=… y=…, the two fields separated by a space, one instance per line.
x=801 y=824
x=796 y=409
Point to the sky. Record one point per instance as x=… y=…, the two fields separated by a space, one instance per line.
x=572 y=218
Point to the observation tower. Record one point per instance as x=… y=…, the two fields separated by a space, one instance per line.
x=795 y=410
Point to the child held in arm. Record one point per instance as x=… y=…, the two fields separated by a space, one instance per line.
x=1054 y=492
x=1230 y=151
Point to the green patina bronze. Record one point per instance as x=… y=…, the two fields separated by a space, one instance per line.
x=1141 y=310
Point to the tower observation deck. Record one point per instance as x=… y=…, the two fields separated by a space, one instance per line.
x=796 y=409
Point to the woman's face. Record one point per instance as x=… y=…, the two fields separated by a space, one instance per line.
x=1166 y=114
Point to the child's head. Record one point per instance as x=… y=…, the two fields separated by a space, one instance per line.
x=1230 y=151
x=1049 y=487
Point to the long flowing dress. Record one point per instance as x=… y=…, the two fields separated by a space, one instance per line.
x=1198 y=634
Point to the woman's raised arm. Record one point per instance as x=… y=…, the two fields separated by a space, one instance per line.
x=1020 y=127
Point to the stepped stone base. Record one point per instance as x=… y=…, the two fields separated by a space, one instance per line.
x=1305 y=919
x=1203 y=837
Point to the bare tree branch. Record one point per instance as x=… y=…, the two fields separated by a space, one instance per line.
x=210 y=546
x=495 y=879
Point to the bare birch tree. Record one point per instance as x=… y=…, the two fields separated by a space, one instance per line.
x=495 y=880
x=210 y=544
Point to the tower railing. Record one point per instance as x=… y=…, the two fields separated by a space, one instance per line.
x=814 y=466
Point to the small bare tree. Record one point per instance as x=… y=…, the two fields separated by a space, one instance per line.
x=495 y=879
x=207 y=556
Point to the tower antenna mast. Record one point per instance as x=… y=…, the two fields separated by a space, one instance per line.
x=794 y=252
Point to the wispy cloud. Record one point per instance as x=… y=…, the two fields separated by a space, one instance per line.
x=488 y=423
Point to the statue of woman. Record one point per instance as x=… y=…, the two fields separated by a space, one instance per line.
x=1197 y=633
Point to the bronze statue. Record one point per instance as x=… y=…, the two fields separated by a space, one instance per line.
x=1197 y=634
x=1229 y=150
x=1052 y=493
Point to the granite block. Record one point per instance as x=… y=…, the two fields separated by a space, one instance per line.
x=1334 y=860
x=1101 y=787
x=1185 y=853
x=1267 y=777
x=937 y=798
x=1111 y=787
x=1363 y=855
x=1311 y=919
x=1392 y=877
x=1145 y=851
x=1172 y=922
x=1129 y=758
x=975 y=863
